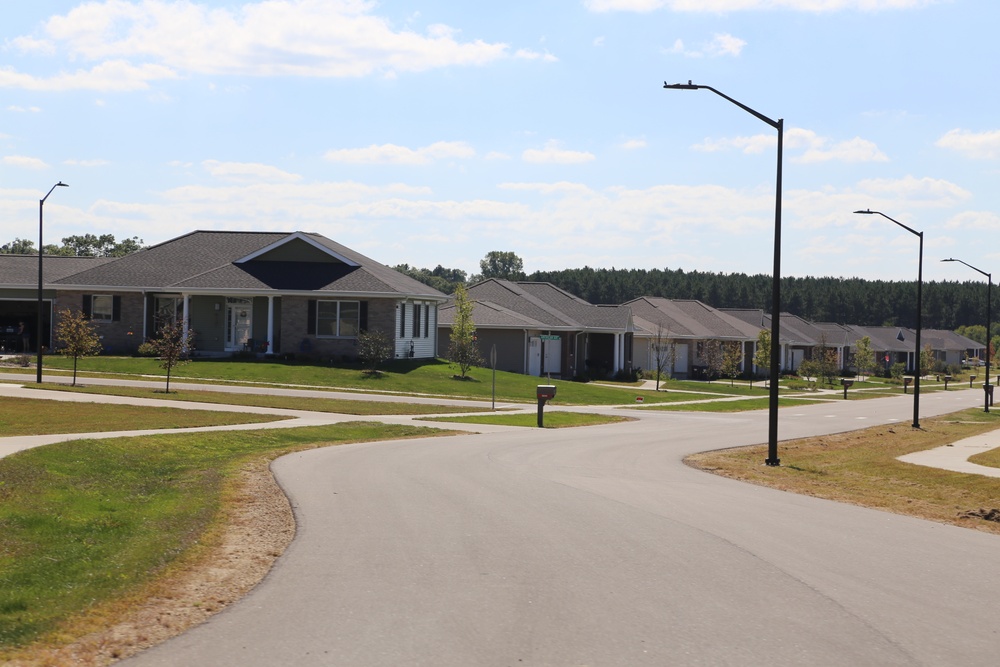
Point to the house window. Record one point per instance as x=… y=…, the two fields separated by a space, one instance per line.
x=337 y=318
x=102 y=307
x=166 y=310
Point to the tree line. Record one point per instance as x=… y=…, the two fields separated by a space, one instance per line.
x=946 y=304
x=83 y=245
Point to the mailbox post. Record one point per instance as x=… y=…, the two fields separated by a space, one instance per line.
x=906 y=383
x=947 y=379
x=544 y=392
x=846 y=383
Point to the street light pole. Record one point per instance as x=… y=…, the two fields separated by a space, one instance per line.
x=989 y=300
x=775 y=370
x=920 y=285
x=41 y=253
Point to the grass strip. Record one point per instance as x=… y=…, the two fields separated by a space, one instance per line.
x=742 y=405
x=84 y=523
x=551 y=419
x=861 y=467
x=314 y=404
x=29 y=416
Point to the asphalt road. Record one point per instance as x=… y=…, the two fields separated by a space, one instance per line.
x=598 y=546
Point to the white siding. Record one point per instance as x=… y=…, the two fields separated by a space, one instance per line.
x=423 y=342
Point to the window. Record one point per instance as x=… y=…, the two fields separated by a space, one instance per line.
x=338 y=318
x=102 y=307
x=416 y=320
x=166 y=310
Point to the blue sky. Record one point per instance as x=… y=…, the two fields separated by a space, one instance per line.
x=434 y=132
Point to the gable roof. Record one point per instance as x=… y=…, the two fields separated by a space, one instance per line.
x=689 y=318
x=533 y=305
x=259 y=262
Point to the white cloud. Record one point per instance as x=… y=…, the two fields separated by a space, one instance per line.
x=599 y=41
x=980 y=145
x=497 y=155
x=633 y=144
x=975 y=220
x=17 y=109
x=157 y=39
x=86 y=163
x=552 y=154
x=720 y=45
x=394 y=154
x=814 y=147
x=24 y=162
x=248 y=172
x=932 y=191
x=529 y=54
x=716 y=6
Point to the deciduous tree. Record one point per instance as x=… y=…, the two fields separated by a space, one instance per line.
x=463 y=351
x=77 y=337
x=174 y=345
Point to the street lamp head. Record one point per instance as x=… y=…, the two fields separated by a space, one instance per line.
x=681 y=86
x=60 y=184
x=866 y=212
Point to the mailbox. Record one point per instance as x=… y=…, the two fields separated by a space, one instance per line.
x=846 y=383
x=906 y=383
x=546 y=392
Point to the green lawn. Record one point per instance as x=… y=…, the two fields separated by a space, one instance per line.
x=83 y=523
x=333 y=405
x=28 y=416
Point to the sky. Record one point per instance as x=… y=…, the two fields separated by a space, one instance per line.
x=428 y=132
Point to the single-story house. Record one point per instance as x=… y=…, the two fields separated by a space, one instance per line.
x=673 y=332
x=263 y=292
x=539 y=329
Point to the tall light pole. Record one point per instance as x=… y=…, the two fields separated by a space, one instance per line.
x=775 y=370
x=989 y=300
x=920 y=285
x=41 y=253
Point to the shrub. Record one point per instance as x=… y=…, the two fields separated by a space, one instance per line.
x=146 y=349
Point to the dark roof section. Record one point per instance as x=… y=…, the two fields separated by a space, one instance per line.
x=22 y=270
x=531 y=305
x=689 y=318
x=208 y=260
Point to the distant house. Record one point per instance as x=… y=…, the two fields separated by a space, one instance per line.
x=539 y=329
x=673 y=332
x=260 y=292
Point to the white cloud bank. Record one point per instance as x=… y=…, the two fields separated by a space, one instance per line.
x=814 y=148
x=132 y=44
x=394 y=154
x=979 y=145
x=720 y=45
x=748 y=5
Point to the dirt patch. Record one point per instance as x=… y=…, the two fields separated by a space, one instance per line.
x=258 y=529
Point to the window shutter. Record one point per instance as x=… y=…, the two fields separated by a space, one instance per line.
x=427 y=320
x=363 y=316
x=87 y=300
x=311 y=318
x=402 y=320
x=116 y=309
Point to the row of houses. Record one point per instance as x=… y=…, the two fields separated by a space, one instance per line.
x=303 y=294
x=539 y=329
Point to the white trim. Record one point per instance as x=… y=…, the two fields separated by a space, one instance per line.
x=293 y=237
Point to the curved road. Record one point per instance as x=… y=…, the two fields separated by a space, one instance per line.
x=598 y=546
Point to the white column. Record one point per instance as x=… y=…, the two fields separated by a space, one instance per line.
x=270 y=325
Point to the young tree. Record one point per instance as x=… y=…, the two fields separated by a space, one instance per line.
x=374 y=347
x=174 y=345
x=711 y=352
x=864 y=357
x=77 y=337
x=463 y=350
x=926 y=360
x=826 y=362
x=665 y=351
x=762 y=355
x=732 y=359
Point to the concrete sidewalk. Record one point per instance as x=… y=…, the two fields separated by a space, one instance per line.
x=955 y=457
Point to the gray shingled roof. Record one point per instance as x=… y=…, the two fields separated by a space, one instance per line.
x=209 y=260
x=22 y=270
x=689 y=318
x=520 y=305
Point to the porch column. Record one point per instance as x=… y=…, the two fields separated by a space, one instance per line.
x=270 y=325
x=617 y=354
x=186 y=316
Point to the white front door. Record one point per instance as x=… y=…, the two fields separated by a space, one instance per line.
x=534 y=356
x=553 y=356
x=239 y=318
